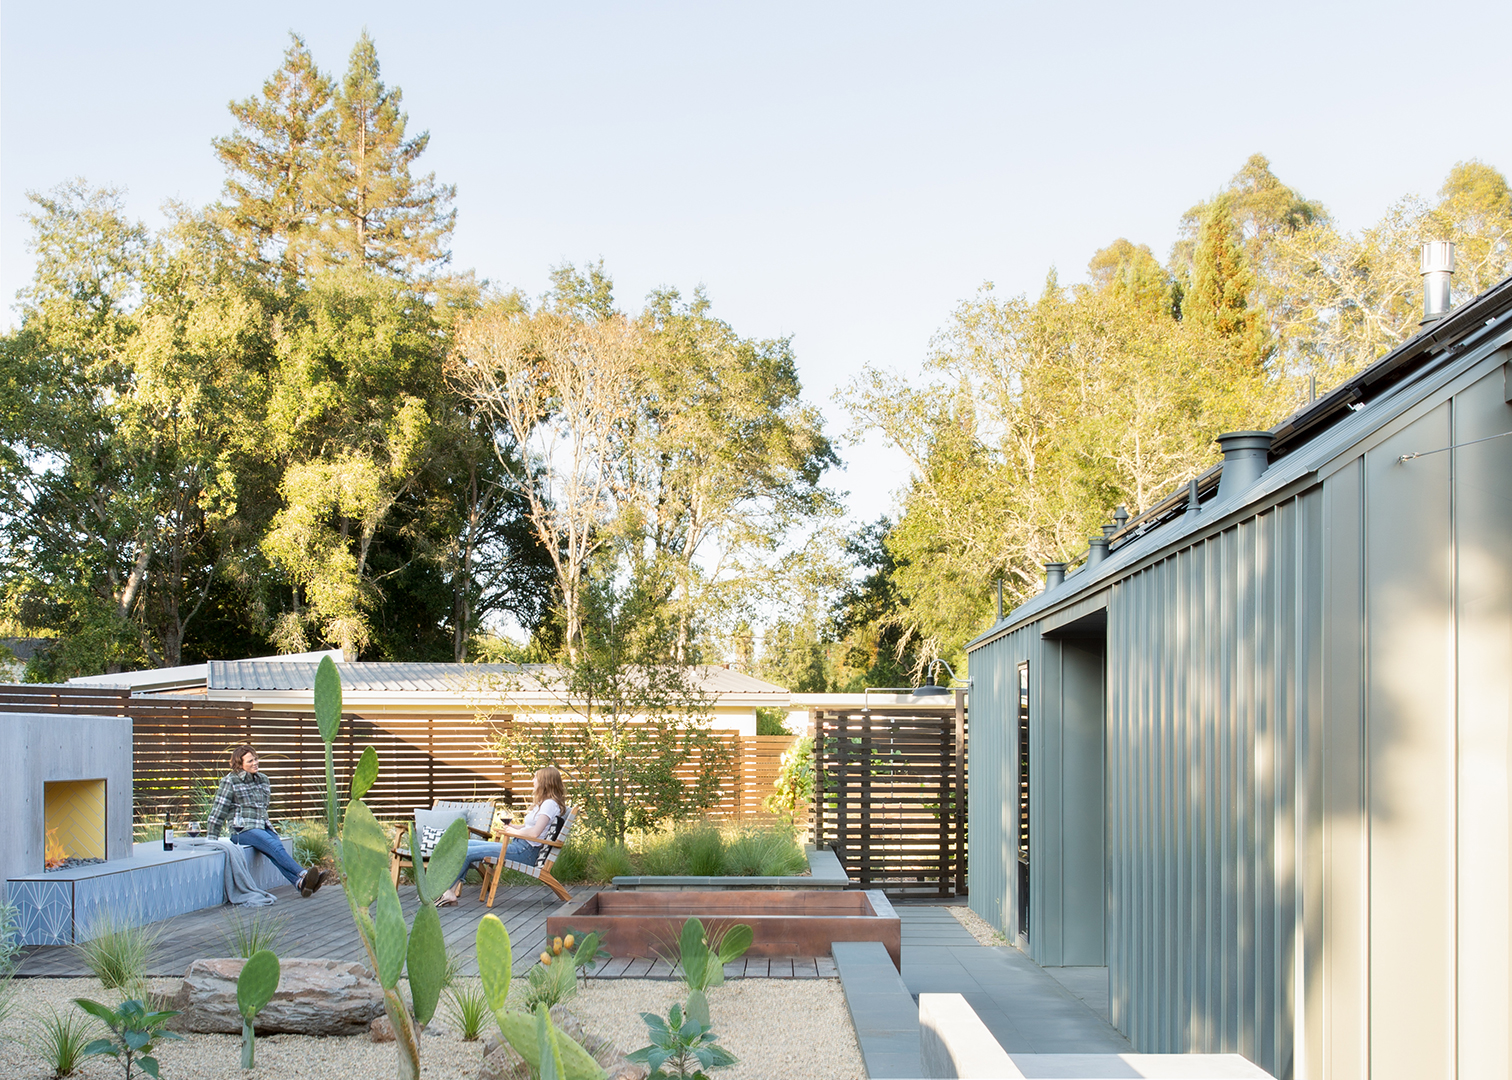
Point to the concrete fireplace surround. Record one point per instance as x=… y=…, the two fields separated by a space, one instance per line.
x=39 y=747
x=137 y=883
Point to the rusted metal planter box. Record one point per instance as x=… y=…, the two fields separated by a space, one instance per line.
x=783 y=922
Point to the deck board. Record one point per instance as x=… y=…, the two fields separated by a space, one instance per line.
x=320 y=927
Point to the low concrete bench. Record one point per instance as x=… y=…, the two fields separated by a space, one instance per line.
x=953 y=1042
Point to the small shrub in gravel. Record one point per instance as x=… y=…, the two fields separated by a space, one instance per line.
x=117 y=952
x=467 y=1006
x=59 y=1039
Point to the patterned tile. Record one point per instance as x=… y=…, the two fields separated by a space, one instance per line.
x=44 y=911
x=148 y=894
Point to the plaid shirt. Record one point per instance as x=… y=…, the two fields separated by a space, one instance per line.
x=247 y=794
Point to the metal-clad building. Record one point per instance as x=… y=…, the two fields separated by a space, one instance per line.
x=1255 y=759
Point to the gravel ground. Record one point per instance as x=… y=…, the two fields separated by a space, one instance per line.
x=978 y=927
x=772 y=1025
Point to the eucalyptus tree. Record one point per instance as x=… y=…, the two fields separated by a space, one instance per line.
x=561 y=396
x=729 y=458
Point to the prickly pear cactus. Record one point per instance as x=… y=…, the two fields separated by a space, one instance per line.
x=543 y=1048
x=392 y=947
x=255 y=987
x=328 y=719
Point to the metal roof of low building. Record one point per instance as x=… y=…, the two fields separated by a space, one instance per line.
x=158 y=680
x=366 y=677
x=1314 y=436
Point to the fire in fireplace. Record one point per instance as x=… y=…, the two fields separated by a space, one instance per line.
x=73 y=821
x=54 y=855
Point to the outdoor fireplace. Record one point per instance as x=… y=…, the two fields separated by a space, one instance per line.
x=65 y=791
x=73 y=823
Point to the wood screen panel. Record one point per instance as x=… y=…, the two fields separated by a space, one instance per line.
x=890 y=798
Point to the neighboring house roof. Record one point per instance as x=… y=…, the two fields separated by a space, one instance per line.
x=190 y=676
x=24 y=648
x=461 y=685
x=1305 y=444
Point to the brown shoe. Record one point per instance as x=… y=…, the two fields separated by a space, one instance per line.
x=311 y=880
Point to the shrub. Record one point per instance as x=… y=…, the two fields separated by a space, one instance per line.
x=657 y=855
x=467 y=1005
x=610 y=861
x=59 y=1039
x=312 y=847
x=764 y=853
x=10 y=950
x=117 y=952
x=702 y=849
x=133 y=1031
x=243 y=934
x=793 y=790
x=572 y=864
x=771 y=722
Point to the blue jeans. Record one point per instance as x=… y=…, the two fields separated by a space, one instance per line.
x=264 y=841
x=477 y=851
x=523 y=851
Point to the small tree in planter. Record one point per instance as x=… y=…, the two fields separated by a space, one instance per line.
x=644 y=720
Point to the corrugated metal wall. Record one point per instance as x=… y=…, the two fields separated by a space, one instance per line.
x=1308 y=785
x=1208 y=738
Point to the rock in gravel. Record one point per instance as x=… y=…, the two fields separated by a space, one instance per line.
x=603 y=1051
x=500 y=1062
x=314 y=997
x=381 y=1029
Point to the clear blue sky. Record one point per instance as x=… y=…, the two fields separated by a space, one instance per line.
x=844 y=173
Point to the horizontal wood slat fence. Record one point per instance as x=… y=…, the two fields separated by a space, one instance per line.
x=890 y=797
x=181 y=748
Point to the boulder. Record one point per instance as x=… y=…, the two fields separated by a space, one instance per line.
x=315 y=997
x=500 y=1062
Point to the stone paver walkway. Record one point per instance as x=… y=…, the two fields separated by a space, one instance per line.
x=1027 y=1010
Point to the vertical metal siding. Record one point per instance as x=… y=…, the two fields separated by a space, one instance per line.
x=1203 y=651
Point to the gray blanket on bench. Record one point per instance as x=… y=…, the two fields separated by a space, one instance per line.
x=240 y=888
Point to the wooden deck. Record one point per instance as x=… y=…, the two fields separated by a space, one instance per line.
x=321 y=927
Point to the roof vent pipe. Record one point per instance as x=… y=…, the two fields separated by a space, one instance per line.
x=1438 y=268
x=1099 y=550
x=1194 y=507
x=1109 y=529
x=1055 y=573
x=1246 y=454
x=1121 y=516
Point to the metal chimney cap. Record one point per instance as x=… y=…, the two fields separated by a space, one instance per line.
x=1438 y=271
x=1438 y=256
x=1230 y=441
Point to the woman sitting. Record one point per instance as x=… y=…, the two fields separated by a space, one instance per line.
x=243 y=796
x=545 y=811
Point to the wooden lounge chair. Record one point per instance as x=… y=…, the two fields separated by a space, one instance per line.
x=540 y=870
x=479 y=817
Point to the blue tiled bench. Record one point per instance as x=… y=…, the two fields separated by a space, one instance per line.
x=61 y=907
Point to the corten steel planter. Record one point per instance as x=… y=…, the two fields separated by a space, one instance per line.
x=783 y=922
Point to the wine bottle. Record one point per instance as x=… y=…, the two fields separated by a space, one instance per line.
x=167 y=834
